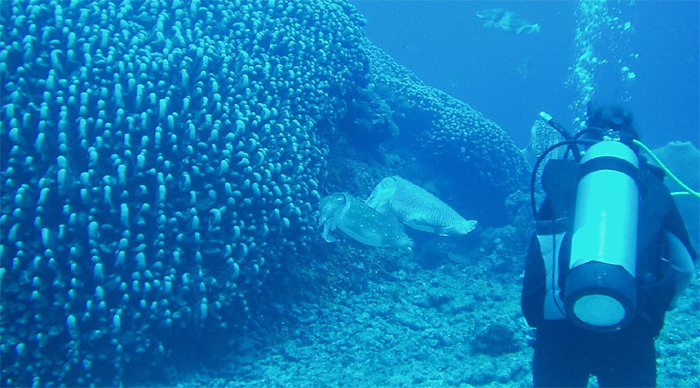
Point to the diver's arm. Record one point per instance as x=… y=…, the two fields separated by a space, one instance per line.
x=679 y=252
x=679 y=257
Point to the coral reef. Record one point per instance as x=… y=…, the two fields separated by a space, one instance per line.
x=157 y=157
x=448 y=134
x=542 y=136
x=160 y=158
x=368 y=122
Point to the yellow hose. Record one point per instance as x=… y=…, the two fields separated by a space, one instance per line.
x=688 y=190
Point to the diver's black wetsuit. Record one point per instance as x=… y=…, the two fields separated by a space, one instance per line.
x=565 y=355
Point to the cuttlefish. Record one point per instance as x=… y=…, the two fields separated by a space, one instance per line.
x=359 y=221
x=507 y=21
x=416 y=207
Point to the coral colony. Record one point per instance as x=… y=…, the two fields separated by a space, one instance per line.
x=157 y=156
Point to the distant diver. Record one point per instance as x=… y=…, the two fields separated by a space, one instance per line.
x=507 y=21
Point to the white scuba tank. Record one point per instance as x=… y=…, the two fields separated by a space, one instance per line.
x=600 y=290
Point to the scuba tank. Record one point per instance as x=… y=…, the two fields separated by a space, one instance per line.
x=600 y=291
x=599 y=285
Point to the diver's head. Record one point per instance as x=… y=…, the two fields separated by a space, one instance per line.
x=611 y=121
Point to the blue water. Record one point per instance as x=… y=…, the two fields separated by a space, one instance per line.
x=511 y=78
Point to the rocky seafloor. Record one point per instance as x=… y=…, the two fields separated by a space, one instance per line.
x=447 y=315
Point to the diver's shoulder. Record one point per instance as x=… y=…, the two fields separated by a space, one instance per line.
x=650 y=171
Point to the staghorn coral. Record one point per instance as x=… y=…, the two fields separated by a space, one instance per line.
x=157 y=157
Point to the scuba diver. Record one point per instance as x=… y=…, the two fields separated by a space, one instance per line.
x=609 y=256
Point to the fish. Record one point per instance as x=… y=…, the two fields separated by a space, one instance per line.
x=507 y=21
x=417 y=208
x=360 y=222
